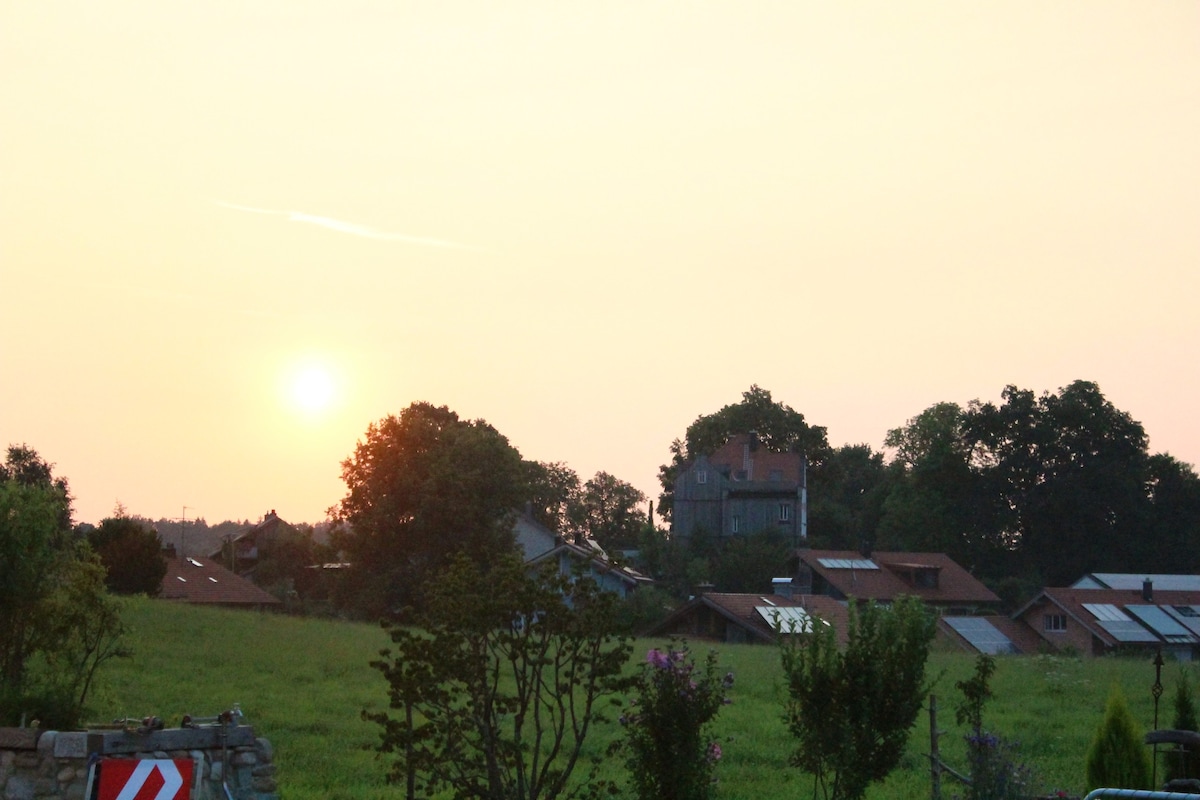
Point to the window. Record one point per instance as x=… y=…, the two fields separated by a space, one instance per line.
x=1054 y=622
x=776 y=475
x=785 y=512
x=701 y=476
x=735 y=524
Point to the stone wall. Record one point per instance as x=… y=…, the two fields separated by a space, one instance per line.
x=53 y=765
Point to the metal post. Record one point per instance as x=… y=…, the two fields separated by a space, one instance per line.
x=1156 y=690
x=935 y=757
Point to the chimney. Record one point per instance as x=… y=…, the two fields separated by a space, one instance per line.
x=1147 y=590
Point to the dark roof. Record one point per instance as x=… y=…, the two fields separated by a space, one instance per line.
x=740 y=610
x=598 y=560
x=199 y=580
x=1021 y=636
x=893 y=576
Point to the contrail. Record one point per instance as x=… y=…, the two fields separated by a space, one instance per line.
x=347 y=227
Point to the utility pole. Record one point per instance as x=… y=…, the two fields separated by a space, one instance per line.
x=183 y=533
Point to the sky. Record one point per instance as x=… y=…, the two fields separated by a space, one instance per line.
x=587 y=223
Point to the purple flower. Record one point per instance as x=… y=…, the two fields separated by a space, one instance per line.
x=714 y=752
x=657 y=658
x=727 y=681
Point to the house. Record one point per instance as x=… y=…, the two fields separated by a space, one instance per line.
x=540 y=544
x=201 y=581
x=242 y=553
x=1095 y=621
x=883 y=576
x=751 y=618
x=740 y=489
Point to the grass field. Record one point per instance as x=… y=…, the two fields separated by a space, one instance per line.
x=303 y=683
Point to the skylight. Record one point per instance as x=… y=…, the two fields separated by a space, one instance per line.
x=847 y=563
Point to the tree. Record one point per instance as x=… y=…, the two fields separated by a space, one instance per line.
x=851 y=711
x=131 y=554
x=1117 y=758
x=748 y=563
x=1068 y=472
x=57 y=624
x=501 y=683
x=422 y=487
x=780 y=429
x=846 y=498
x=609 y=511
x=605 y=508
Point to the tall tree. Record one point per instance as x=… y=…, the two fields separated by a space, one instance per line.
x=421 y=487
x=1072 y=469
x=846 y=498
x=610 y=511
x=780 y=429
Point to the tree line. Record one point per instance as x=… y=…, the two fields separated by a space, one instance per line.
x=1035 y=490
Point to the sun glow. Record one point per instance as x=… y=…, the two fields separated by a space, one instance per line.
x=312 y=389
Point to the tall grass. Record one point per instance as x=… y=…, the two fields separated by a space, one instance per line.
x=303 y=684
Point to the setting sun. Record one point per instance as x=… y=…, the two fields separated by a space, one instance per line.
x=312 y=389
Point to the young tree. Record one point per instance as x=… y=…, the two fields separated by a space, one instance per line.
x=1117 y=758
x=851 y=711
x=500 y=683
x=421 y=488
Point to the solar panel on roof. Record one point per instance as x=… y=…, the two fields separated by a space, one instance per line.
x=1127 y=631
x=1106 y=612
x=1187 y=616
x=982 y=635
x=1161 y=623
x=788 y=619
x=847 y=563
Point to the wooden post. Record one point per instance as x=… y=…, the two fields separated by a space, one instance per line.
x=935 y=757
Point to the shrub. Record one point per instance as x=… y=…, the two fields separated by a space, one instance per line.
x=671 y=755
x=1117 y=757
x=502 y=684
x=996 y=772
x=851 y=712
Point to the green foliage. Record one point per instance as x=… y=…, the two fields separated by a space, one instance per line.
x=1183 y=763
x=422 y=488
x=131 y=554
x=748 y=563
x=851 y=711
x=1117 y=757
x=604 y=508
x=671 y=754
x=57 y=623
x=500 y=686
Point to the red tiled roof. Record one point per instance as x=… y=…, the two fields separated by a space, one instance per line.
x=198 y=580
x=764 y=462
x=954 y=584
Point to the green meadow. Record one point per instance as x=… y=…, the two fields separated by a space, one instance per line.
x=303 y=683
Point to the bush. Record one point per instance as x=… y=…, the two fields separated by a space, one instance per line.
x=671 y=756
x=1182 y=763
x=1117 y=757
x=851 y=712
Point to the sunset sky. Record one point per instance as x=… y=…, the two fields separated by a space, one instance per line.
x=585 y=222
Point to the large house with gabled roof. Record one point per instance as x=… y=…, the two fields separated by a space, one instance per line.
x=740 y=489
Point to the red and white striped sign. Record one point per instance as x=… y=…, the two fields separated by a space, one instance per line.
x=149 y=779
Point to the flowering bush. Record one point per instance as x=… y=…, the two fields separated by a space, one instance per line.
x=670 y=754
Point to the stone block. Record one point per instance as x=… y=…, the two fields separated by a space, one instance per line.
x=264 y=749
x=19 y=738
x=71 y=745
x=19 y=788
x=45 y=744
